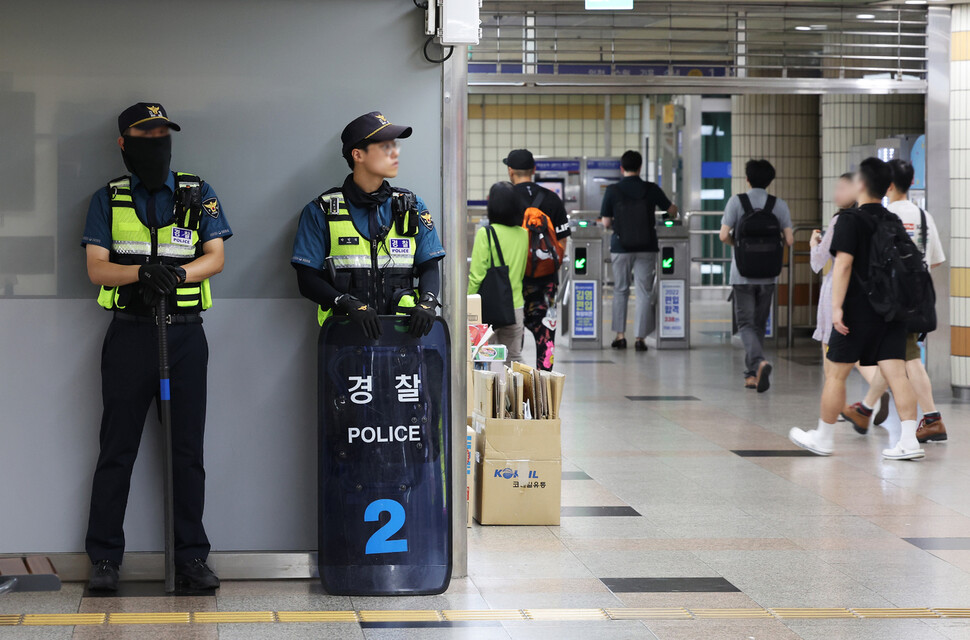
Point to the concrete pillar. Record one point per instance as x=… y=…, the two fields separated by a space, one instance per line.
x=959 y=257
x=783 y=129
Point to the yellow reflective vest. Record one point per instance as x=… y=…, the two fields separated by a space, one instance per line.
x=132 y=242
x=379 y=272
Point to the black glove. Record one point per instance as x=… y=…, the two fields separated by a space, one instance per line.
x=361 y=313
x=178 y=272
x=423 y=315
x=157 y=278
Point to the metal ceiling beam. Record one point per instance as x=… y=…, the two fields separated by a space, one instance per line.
x=600 y=85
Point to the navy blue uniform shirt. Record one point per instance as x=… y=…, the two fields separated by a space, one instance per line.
x=97 y=229
x=312 y=243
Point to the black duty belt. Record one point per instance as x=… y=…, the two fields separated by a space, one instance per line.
x=183 y=318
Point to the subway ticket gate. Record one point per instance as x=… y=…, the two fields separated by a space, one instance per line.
x=583 y=327
x=384 y=501
x=673 y=285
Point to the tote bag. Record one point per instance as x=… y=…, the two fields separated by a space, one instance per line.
x=498 y=309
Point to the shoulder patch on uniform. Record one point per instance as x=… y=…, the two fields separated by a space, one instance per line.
x=211 y=207
x=426 y=219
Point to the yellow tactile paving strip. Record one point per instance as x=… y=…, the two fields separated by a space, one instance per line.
x=469 y=615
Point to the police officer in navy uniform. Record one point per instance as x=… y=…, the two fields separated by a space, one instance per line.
x=359 y=247
x=151 y=234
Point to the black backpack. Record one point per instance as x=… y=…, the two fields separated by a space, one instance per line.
x=759 y=247
x=634 y=224
x=899 y=285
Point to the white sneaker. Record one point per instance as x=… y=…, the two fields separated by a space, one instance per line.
x=810 y=441
x=900 y=453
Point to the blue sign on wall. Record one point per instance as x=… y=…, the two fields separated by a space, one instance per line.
x=612 y=165
x=917 y=156
x=584 y=321
x=557 y=165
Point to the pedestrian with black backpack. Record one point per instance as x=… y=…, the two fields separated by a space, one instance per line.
x=629 y=208
x=541 y=283
x=880 y=291
x=759 y=228
x=921 y=227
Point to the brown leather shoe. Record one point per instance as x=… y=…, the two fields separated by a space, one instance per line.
x=764 y=371
x=854 y=414
x=750 y=382
x=883 y=412
x=931 y=431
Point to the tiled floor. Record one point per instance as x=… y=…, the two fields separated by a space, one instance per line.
x=680 y=490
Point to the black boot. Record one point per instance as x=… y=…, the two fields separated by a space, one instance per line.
x=196 y=576
x=104 y=576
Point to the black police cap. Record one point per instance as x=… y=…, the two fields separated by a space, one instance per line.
x=145 y=116
x=371 y=127
x=520 y=160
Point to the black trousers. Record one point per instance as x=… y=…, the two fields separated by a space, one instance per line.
x=129 y=383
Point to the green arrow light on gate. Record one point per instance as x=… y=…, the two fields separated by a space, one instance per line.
x=668 y=263
x=668 y=223
x=580 y=264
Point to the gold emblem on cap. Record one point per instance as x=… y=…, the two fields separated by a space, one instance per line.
x=380 y=118
x=154 y=110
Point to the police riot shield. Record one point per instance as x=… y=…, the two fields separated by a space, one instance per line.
x=384 y=521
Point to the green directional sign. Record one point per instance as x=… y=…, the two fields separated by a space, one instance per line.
x=579 y=261
x=666 y=260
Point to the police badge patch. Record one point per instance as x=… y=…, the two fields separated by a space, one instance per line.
x=426 y=220
x=211 y=207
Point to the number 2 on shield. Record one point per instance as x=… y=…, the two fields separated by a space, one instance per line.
x=379 y=543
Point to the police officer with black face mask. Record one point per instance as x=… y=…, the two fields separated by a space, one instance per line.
x=150 y=234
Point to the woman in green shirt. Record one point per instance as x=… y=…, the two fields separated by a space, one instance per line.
x=505 y=211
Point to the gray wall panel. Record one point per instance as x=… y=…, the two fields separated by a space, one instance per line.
x=260 y=436
x=262 y=89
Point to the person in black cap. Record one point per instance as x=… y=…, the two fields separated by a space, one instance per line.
x=539 y=293
x=150 y=234
x=360 y=247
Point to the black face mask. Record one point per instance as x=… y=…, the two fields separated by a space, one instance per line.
x=149 y=159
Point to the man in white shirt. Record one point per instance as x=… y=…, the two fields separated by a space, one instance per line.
x=927 y=239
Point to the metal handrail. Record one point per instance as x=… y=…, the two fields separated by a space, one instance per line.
x=791 y=283
x=689 y=216
x=792 y=254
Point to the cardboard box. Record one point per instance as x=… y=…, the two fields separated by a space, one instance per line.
x=519 y=492
x=474 y=309
x=471 y=494
x=518 y=469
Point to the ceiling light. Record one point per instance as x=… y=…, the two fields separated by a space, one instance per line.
x=915 y=1
x=803 y=28
x=865 y=16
